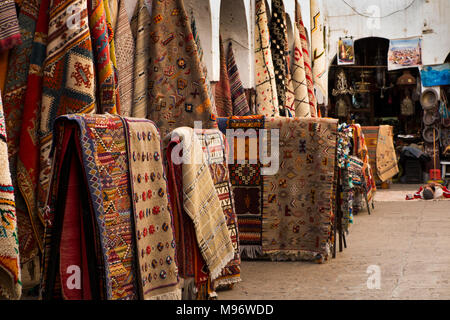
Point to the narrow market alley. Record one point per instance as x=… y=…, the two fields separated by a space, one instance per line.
x=407 y=240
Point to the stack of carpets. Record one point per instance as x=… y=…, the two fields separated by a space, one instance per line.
x=10 y=274
x=204 y=242
x=109 y=213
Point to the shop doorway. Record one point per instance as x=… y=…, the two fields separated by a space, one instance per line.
x=375 y=96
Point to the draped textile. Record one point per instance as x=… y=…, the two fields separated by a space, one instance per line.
x=215 y=149
x=10 y=34
x=140 y=27
x=125 y=51
x=28 y=155
x=222 y=90
x=318 y=56
x=202 y=64
x=201 y=203
x=104 y=64
x=266 y=88
x=238 y=97
x=191 y=264
x=100 y=145
x=290 y=94
x=361 y=151
x=155 y=244
x=3 y=68
x=14 y=99
x=278 y=41
x=297 y=213
x=307 y=60
x=10 y=274
x=301 y=104
x=178 y=93
x=68 y=80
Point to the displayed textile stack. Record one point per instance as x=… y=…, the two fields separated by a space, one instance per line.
x=204 y=242
x=109 y=213
x=286 y=214
x=382 y=156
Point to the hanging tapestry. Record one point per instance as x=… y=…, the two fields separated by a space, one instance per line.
x=215 y=149
x=211 y=229
x=306 y=60
x=297 y=210
x=155 y=244
x=16 y=79
x=68 y=79
x=31 y=234
x=9 y=26
x=246 y=180
x=266 y=88
x=290 y=94
x=222 y=90
x=178 y=93
x=106 y=84
x=10 y=275
x=361 y=151
x=140 y=25
x=382 y=156
x=301 y=102
x=238 y=97
x=100 y=145
x=202 y=64
x=318 y=53
x=277 y=28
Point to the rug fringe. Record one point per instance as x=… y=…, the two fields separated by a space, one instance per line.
x=251 y=252
x=225 y=283
x=173 y=295
x=214 y=274
x=296 y=255
x=189 y=290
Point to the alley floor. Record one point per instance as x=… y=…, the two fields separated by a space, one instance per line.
x=408 y=242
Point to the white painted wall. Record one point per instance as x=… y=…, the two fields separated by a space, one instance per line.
x=422 y=15
x=427 y=18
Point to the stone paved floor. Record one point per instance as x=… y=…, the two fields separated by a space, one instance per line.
x=408 y=240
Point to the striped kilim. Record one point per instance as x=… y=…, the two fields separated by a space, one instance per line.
x=124 y=50
x=140 y=24
x=266 y=89
x=9 y=26
x=301 y=104
x=222 y=90
x=318 y=53
x=306 y=59
x=238 y=97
